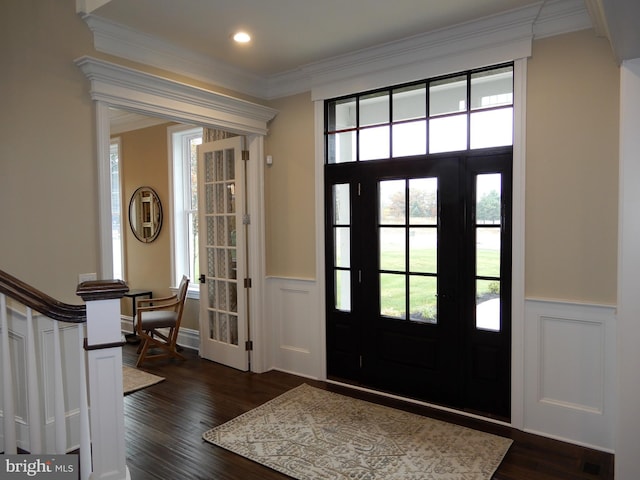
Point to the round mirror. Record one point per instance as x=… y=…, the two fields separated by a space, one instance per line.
x=145 y=214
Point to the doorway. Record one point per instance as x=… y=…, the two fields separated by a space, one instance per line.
x=115 y=86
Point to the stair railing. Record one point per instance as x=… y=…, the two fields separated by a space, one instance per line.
x=50 y=352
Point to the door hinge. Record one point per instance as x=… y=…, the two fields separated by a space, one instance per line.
x=247 y=283
x=202 y=278
x=359 y=188
x=246 y=219
x=248 y=346
x=245 y=155
x=360 y=361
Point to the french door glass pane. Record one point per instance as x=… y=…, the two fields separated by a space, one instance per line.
x=392 y=202
x=409 y=138
x=409 y=102
x=393 y=249
x=448 y=96
x=488 y=305
x=423 y=300
x=393 y=295
x=448 y=134
x=374 y=143
x=492 y=128
x=374 y=109
x=492 y=88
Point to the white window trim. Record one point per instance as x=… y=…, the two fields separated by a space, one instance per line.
x=178 y=175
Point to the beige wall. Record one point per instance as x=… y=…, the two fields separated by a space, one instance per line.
x=48 y=167
x=144 y=163
x=48 y=204
x=290 y=189
x=572 y=170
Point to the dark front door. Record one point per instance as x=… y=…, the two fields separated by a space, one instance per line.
x=418 y=277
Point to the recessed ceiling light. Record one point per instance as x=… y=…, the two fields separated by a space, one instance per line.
x=242 y=37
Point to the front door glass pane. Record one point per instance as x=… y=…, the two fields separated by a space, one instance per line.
x=423 y=298
x=488 y=305
x=393 y=294
x=392 y=202
x=393 y=248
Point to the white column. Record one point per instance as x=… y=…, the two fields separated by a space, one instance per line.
x=628 y=328
x=104 y=360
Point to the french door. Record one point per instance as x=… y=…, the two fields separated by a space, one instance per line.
x=418 y=277
x=223 y=256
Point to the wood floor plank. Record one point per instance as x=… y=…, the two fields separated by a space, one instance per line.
x=164 y=425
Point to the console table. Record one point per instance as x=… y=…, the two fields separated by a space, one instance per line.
x=134 y=295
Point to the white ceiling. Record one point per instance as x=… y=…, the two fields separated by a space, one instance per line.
x=288 y=34
x=291 y=33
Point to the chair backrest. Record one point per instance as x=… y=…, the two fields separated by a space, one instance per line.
x=182 y=296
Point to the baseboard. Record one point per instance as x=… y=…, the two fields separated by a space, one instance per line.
x=187 y=337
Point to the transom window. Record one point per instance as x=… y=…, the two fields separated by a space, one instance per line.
x=465 y=111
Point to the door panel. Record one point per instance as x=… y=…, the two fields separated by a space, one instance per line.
x=223 y=318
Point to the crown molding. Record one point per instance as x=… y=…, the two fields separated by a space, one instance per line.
x=562 y=16
x=509 y=31
x=141 y=92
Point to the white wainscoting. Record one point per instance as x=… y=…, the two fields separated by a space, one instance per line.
x=71 y=357
x=295 y=333
x=569 y=384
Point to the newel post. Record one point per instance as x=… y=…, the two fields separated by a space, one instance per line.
x=104 y=360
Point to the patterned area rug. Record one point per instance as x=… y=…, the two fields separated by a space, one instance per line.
x=134 y=379
x=312 y=434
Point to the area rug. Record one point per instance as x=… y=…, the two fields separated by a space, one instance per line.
x=134 y=379
x=311 y=434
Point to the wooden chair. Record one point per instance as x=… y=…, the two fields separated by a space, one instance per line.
x=158 y=324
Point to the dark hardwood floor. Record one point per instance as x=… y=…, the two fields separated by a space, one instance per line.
x=164 y=426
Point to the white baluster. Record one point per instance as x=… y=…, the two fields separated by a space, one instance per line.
x=8 y=409
x=58 y=401
x=85 y=434
x=33 y=391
